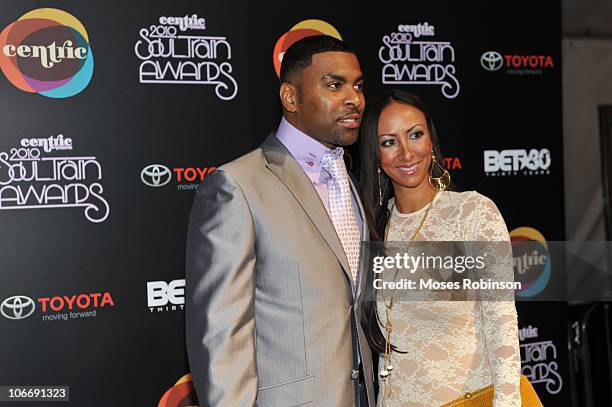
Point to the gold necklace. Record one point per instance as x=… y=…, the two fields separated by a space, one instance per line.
x=387 y=366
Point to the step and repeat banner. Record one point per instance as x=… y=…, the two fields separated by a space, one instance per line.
x=112 y=114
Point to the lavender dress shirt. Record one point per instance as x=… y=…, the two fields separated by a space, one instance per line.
x=308 y=152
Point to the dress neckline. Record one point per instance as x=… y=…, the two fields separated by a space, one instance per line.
x=395 y=212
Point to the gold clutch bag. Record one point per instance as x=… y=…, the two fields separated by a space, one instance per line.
x=484 y=397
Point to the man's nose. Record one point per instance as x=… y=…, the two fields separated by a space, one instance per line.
x=354 y=97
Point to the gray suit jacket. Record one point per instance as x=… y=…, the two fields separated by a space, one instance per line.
x=270 y=314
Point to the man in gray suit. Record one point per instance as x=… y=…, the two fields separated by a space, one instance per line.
x=273 y=293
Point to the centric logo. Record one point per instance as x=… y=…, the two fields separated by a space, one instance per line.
x=17 y=307
x=47 y=51
x=303 y=29
x=531 y=261
x=491 y=61
x=156 y=175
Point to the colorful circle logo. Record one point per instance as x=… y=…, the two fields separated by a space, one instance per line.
x=301 y=30
x=182 y=394
x=47 y=51
x=531 y=261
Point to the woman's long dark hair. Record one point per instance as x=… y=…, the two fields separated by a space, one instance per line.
x=377 y=215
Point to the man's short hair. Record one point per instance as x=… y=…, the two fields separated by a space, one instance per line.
x=299 y=55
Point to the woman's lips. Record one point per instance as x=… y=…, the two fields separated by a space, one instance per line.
x=408 y=169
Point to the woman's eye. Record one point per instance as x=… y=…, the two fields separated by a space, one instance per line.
x=387 y=143
x=416 y=135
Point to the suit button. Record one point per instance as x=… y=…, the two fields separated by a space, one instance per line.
x=355 y=374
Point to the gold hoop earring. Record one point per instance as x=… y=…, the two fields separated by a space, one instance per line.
x=443 y=181
x=380 y=202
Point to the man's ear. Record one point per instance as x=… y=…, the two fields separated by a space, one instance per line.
x=288 y=96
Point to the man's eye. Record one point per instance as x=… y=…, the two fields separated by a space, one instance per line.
x=334 y=85
x=359 y=86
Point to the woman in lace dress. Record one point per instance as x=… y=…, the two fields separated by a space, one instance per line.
x=442 y=349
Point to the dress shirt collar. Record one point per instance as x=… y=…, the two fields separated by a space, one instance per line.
x=306 y=150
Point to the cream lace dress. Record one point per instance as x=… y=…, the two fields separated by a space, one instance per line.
x=453 y=347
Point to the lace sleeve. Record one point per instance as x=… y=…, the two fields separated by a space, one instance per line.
x=499 y=319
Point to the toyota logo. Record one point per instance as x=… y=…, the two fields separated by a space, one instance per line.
x=17 y=307
x=156 y=175
x=491 y=61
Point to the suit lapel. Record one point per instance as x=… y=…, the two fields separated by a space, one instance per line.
x=365 y=236
x=364 y=226
x=289 y=172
